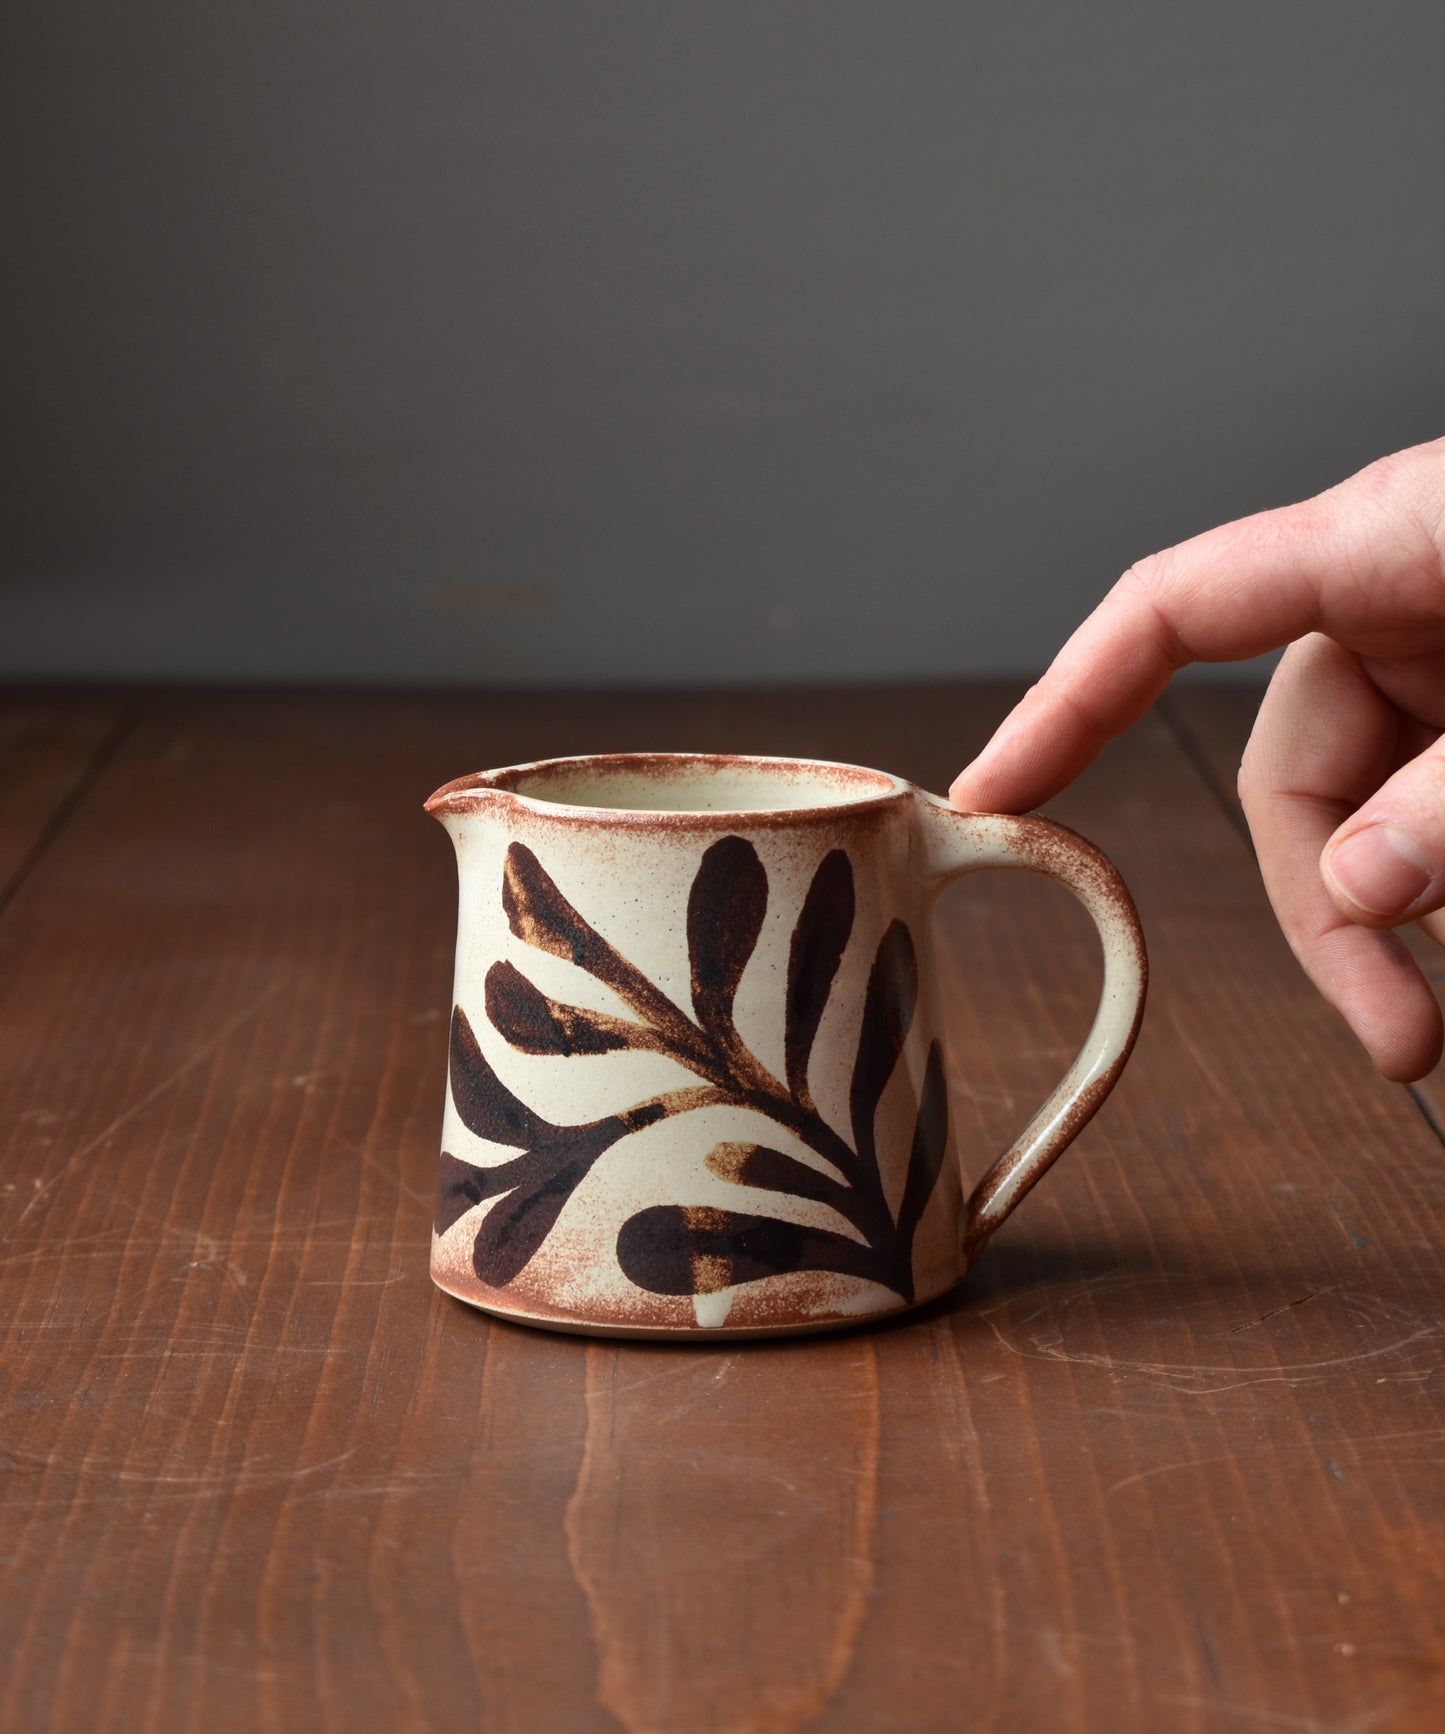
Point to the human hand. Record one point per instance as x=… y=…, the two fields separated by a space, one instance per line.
x=1343 y=781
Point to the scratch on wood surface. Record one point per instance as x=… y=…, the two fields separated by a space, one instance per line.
x=140 y=1499
x=1388 y=1445
x=399 y=1181
x=167 y=1083
x=248 y=1474
x=1053 y=1297
x=117 y=1485
x=1274 y=1312
x=1217 y=1084
x=1051 y=1647
x=217 y=1257
x=341 y=1280
x=1256 y=1716
x=128 y=1246
x=1213 y=1378
x=174 y=1349
x=1356 y=1239
x=1204 y=1637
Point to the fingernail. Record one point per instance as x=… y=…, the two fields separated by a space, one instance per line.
x=1380 y=869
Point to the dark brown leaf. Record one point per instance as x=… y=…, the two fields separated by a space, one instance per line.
x=725 y=910
x=930 y=1140
x=534 y=1024
x=516 y=1225
x=774 y=1171
x=887 y=1013
x=687 y=1249
x=818 y=943
x=485 y=1104
x=464 y=1185
x=539 y=914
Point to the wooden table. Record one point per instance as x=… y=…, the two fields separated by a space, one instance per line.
x=1170 y=1460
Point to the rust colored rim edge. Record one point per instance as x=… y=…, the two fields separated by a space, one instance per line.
x=701 y=1335
x=489 y=786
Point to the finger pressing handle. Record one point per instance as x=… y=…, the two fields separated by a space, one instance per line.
x=956 y=843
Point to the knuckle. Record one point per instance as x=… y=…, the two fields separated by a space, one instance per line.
x=1409 y=486
x=1148 y=577
x=1149 y=584
x=1381 y=478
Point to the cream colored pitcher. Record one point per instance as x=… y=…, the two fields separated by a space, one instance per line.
x=696 y=1078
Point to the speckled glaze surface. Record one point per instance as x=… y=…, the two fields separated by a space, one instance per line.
x=696 y=1082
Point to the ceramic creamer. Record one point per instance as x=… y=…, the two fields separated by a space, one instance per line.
x=696 y=1080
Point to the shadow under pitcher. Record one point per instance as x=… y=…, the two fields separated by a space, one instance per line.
x=696 y=1084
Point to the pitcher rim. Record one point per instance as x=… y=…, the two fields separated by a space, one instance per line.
x=471 y=792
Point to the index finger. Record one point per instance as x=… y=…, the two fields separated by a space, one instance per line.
x=1231 y=593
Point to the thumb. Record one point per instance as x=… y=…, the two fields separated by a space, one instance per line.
x=1386 y=864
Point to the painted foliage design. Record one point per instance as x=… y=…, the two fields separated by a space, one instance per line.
x=677 y=1249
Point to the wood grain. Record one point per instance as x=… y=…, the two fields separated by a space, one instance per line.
x=1212 y=724
x=50 y=746
x=727 y=1531
x=1170 y=1459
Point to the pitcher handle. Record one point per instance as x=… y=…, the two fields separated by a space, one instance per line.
x=955 y=843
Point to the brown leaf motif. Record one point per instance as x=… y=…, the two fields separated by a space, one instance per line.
x=682 y=1249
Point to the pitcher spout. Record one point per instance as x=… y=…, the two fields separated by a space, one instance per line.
x=461 y=795
x=464 y=797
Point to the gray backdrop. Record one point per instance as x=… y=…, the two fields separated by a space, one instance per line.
x=452 y=340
